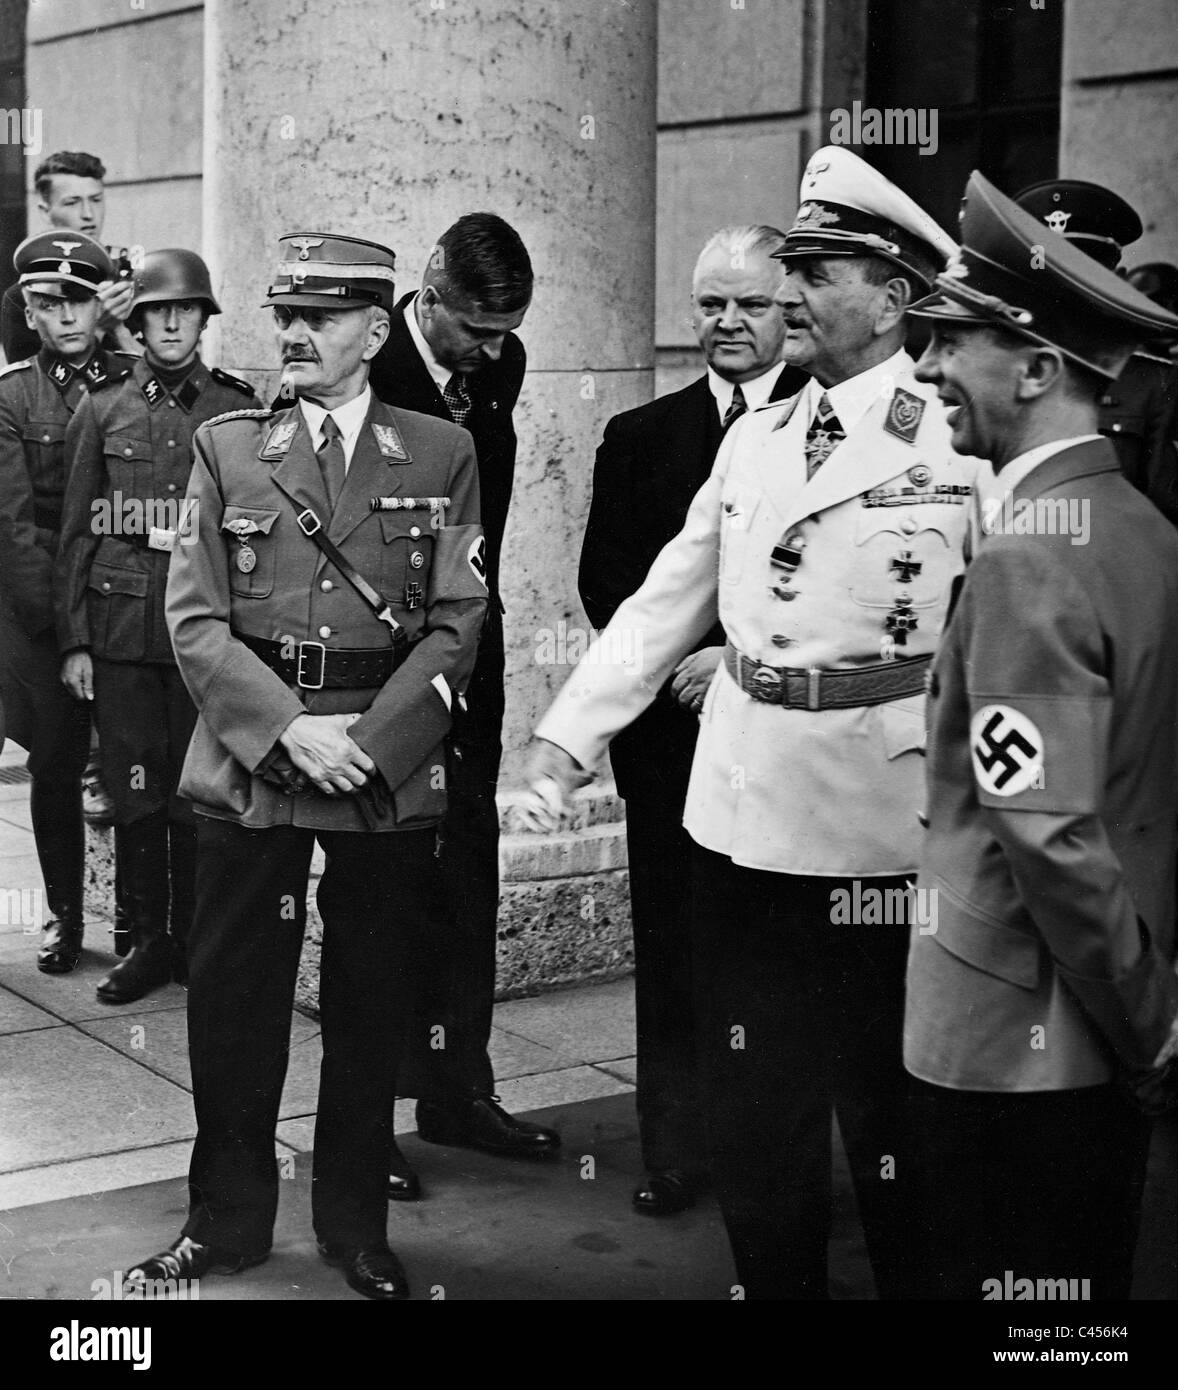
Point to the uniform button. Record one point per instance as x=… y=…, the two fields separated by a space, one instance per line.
x=45 y=440
x=171 y=487
x=779 y=639
x=172 y=404
x=106 y=585
x=787 y=594
x=417 y=559
x=415 y=531
x=325 y=631
x=326 y=587
x=922 y=818
x=127 y=451
x=1117 y=427
x=171 y=443
x=908 y=525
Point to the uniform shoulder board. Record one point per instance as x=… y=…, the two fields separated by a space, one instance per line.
x=235 y=381
x=240 y=415
x=16 y=366
x=131 y=357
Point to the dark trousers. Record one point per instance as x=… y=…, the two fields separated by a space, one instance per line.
x=379 y=901
x=43 y=717
x=799 y=1016
x=145 y=718
x=1046 y=1184
x=458 y=994
x=669 y=1093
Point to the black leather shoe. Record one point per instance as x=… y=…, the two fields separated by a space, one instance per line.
x=187 y=1259
x=404 y=1184
x=481 y=1123
x=664 y=1193
x=149 y=966
x=61 y=945
x=374 y=1273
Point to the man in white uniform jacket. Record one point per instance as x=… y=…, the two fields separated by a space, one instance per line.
x=825 y=542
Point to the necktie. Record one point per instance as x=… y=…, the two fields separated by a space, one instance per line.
x=331 y=460
x=823 y=437
x=457 y=399
x=736 y=409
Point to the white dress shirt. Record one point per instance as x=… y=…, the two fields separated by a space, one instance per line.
x=350 y=418
x=756 y=393
x=440 y=374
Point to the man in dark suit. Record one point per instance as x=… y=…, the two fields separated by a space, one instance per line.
x=1042 y=992
x=452 y=353
x=651 y=463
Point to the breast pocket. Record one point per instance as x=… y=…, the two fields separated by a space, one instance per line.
x=43 y=443
x=253 y=549
x=406 y=554
x=911 y=551
x=737 y=511
x=128 y=465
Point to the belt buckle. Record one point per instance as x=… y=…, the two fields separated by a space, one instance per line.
x=160 y=539
x=308 y=528
x=765 y=684
x=300 y=678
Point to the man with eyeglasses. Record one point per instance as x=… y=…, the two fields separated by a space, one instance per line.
x=60 y=274
x=325 y=620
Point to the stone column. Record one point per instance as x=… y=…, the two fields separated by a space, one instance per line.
x=389 y=121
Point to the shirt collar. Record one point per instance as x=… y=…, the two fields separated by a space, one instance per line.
x=853 y=398
x=756 y=392
x=1018 y=468
x=350 y=418
x=440 y=374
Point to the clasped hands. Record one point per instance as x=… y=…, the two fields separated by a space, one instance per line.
x=320 y=747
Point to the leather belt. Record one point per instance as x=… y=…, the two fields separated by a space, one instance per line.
x=155 y=539
x=312 y=666
x=816 y=689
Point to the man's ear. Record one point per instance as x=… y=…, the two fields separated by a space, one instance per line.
x=29 y=319
x=1041 y=371
x=378 y=331
x=43 y=209
x=897 y=295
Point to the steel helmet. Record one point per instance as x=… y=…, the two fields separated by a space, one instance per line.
x=173 y=274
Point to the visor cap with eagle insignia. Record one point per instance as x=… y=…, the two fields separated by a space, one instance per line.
x=48 y=262
x=1044 y=288
x=326 y=271
x=1099 y=221
x=847 y=208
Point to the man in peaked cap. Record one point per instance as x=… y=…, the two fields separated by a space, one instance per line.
x=1051 y=785
x=1138 y=411
x=838 y=518
x=59 y=276
x=129 y=453
x=325 y=621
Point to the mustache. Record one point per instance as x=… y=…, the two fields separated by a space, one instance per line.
x=299 y=355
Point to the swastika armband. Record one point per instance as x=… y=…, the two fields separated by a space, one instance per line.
x=459 y=569
x=1039 y=752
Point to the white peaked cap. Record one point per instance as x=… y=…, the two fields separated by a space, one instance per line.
x=847 y=208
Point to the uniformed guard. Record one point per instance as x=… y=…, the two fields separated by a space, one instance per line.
x=60 y=272
x=837 y=519
x=1139 y=410
x=129 y=452
x=325 y=620
x=1051 y=786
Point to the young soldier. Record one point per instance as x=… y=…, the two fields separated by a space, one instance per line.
x=130 y=452
x=60 y=274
